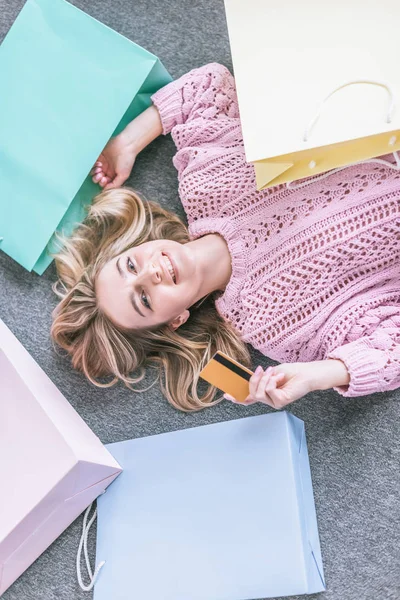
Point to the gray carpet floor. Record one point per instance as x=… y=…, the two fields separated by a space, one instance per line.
x=354 y=445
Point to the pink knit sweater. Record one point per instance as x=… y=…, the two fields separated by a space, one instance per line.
x=315 y=271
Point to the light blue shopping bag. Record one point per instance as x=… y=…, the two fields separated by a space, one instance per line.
x=219 y=512
x=68 y=83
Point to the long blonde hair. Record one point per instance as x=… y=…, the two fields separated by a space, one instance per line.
x=117 y=220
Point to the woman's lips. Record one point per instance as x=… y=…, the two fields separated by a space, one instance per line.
x=170 y=263
x=175 y=268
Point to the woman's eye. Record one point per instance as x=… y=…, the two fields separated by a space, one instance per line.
x=130 y=265
x=145 y=301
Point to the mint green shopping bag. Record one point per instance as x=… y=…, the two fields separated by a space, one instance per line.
x=68 y=83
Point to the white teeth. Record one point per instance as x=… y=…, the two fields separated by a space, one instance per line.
x=170 y=267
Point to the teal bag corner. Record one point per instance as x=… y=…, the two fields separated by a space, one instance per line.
x=69 y=84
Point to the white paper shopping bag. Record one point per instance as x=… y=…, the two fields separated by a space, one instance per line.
x=52 y=465
x=318 y=83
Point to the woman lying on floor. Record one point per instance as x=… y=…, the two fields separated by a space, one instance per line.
x=310 y=276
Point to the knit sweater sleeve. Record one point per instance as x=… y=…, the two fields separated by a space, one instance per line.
x=208 y=92
x=373 y=360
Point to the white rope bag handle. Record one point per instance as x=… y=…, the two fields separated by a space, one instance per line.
x=83 y=544
x=314 y=120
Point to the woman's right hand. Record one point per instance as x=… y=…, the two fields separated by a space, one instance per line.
x=114 y=164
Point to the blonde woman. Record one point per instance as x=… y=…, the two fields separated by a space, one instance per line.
x=310 y=276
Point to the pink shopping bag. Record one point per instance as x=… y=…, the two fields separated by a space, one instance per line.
x=52 y=465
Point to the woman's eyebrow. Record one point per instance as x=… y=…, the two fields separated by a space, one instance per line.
x=135 y=306
x=132 y=297
x=120 y=270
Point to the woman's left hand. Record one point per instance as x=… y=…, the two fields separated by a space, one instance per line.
x=280 y=385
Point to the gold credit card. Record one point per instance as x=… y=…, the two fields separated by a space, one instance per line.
x=228 y=375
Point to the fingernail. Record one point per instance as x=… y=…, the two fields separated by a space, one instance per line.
x=258 y=370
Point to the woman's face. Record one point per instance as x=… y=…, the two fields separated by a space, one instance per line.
x=150 y=284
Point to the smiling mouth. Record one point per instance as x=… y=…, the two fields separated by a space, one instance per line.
x=169 y=267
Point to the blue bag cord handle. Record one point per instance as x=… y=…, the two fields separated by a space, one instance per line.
x=83 y=544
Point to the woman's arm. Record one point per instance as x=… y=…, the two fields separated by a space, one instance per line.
x=373 y=360
x=326 y=374
x=142 y=130
x=115 y=163
x=366 y=365
x=207 y=93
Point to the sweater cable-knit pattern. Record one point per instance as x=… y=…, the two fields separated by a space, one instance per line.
x=315 y=270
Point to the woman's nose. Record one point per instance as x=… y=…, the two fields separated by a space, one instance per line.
x=155 y=272
x=152 y=273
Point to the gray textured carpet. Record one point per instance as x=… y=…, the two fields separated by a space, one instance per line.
x=353 y=445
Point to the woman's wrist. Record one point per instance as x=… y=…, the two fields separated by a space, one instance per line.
x=330 y=373
x=141 y=131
